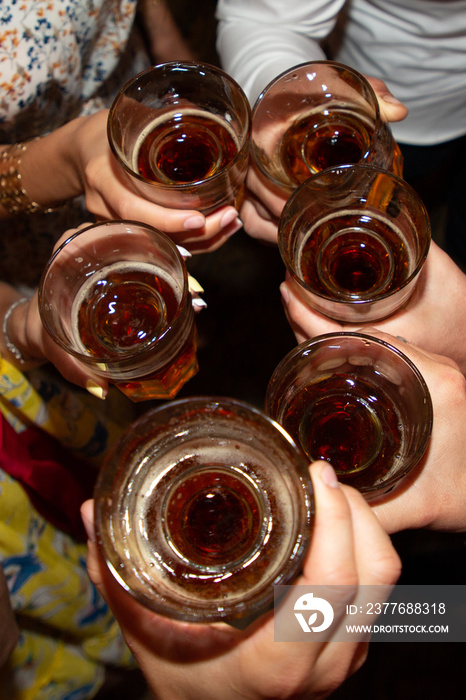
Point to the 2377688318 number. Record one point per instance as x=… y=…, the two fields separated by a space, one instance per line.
x=399 y=608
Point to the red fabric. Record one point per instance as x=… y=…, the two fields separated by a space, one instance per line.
x=55 y=480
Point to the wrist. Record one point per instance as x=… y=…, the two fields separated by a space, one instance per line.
x=48 y=170
x=13 y=197
x=14 y=335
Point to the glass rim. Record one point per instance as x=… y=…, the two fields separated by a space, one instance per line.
x=332 y=64
x=424 y=241
x=131 y=355
x=218 y=401
x=113 y=475
x=305 y=348
x=243 y=146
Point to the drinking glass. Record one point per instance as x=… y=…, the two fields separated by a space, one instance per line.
x=115 y=296
x=357 y=402
x=315 y=116
x=180 y=131
x=354 y=240
x=204 y=504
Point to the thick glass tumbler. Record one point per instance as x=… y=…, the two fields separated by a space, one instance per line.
x=354 y=240
x=180 y=131
x=115 y=296
x=315 y=116
x=202 y=507
x=357 y=402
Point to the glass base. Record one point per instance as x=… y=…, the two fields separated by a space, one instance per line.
x=166 y=384
x=156 y=389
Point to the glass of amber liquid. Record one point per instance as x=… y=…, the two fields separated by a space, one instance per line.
x=357 y=402
x=354 y=240
x=180 y=131
x=115 y=296
x=315 y=116
x=204 y=504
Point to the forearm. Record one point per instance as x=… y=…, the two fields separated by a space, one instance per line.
x=164 y=38
x=48 y=169
x=13 y=335
x=257 y=45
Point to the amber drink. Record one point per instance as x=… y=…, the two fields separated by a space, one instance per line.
x=184 y=147
x=354 y=240
x=318 y=115
x=115 y=296
x=180 y=131
x=356 y=402
x=204 y=505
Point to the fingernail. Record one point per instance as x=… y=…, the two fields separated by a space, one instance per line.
x=194 y=285
x=89 y=528
x=228 y=218
x=199 y=303
x=195 y=221
x=235 y=227
x=185 y=254
x=285 y=293
x=391 y=99
x=329 y=477
x=95 y=389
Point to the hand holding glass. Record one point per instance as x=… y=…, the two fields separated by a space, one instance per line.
x=181 y=133
x=357 y=402
x=204 y=505
x=354 y=240
x=115 y=296
x=315 y=116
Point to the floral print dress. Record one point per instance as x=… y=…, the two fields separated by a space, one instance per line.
x=59 y=59
x=55 y=59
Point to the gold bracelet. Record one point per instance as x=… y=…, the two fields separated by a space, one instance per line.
x=13 y=196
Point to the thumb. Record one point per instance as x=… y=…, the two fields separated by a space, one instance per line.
x=391 y=109
x=74 y=371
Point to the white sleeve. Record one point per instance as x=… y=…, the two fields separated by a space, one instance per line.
x=259 y=39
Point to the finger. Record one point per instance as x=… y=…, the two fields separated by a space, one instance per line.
x=220 y=226
x=391 y=108
x=126 y=205
x=74 y=371
x=390 y=512
x=94 y=568
x=265 y=192
x=70 y=233
x=330 y=562
x=211 y=243
x=304 y=321
x=378 y=568
x=416 y=354
x=376 y=559
x=256 y=226
x=215 y=222
x=121 y=202
x=199 y=234
x=331 y=556
x=182 y=225
x=87 y=516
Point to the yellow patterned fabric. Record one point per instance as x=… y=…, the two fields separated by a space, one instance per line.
x=73 y=417
x=67 y=633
